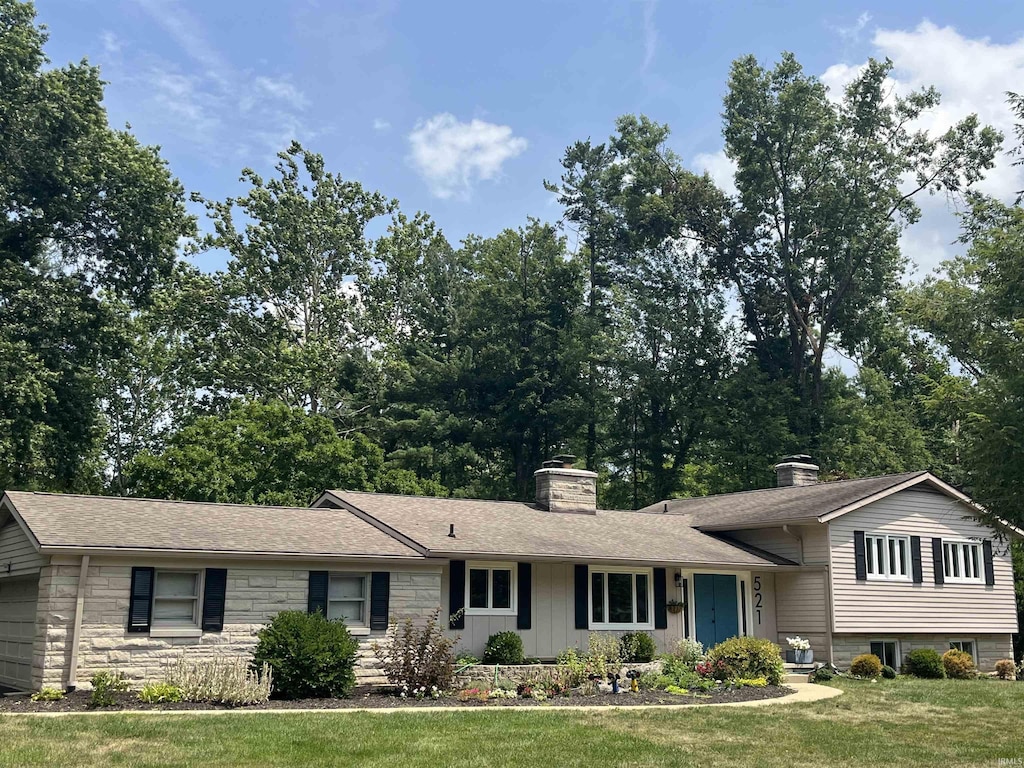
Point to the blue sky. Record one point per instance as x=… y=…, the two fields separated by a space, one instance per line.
x=462 y=109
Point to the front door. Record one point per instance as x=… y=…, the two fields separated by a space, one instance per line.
x=716 y=614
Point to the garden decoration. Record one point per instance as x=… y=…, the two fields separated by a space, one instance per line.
x=800 y=650
x=595 y=679
x=614 y=678
x=634 y=680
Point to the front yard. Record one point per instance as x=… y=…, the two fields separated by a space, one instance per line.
x=899 y=722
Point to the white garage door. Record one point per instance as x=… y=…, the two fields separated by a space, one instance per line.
x=17 y=631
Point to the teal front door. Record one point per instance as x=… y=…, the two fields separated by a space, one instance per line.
x=715 y=614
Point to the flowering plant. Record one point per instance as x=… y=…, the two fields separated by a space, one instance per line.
x=712 y=669
x=798 y=643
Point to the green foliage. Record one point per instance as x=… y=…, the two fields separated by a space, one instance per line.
x=749 y=682
x=637 y=647
x=48 y=694
x=686 y=651
x=958 y=665
x=418 y=655
x=924 y=662
x=866 y=665
x=888 y=672
x=221 y=679
x=746 y=657
x=309 y=655
x=465 y=657
x=504 y=648
x=160 y=693
x=822 y=675
x=105 y=687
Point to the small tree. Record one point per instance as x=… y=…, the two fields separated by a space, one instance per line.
x=418 y=656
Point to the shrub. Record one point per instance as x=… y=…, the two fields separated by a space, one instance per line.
x=888 y=672
x=309 y=655
x=1005 y=669
x=418 y=656
x=959 y=665
x=573 y=667
x=160 y=693
x=104 y=686
x=504 y=648
x=464 y=658
x=688 y=652
x=924 y=662
x=48 y=694
x=637 y=647
x=749 y=682
x=604 y=654
x=228 y=680
x=822 y=675
x=866 y=665
x=749 y=657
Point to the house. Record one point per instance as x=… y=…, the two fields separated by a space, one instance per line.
x=883 y=564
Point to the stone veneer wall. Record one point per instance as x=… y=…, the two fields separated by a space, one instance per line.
x=990 y=648
x=254 y=595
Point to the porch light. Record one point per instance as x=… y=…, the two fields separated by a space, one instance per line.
x=679 y=579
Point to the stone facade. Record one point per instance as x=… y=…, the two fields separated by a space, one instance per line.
x=990 y=648
x=254 y=595
x=566 y=490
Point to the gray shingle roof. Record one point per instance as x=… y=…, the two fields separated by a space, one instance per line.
x=772 y=506
x=515 y=529
x=66 y=520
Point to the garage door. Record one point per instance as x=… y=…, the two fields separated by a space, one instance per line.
x=17 y=631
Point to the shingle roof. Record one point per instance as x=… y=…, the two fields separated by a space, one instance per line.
x=66 y=520
x=515 y=529
x=776 y=505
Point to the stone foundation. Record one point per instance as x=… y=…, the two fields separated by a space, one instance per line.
x=990 y=648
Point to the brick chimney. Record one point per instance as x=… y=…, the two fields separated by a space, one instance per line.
x=560 y=488
x=796 y=470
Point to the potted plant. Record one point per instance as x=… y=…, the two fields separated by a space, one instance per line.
x=799 y=650
x=674 y=606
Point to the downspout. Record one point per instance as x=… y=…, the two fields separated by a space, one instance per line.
x=800 y=541
x=76 y=632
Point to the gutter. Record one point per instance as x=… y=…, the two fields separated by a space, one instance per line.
x=800 y=541
x=76 y=632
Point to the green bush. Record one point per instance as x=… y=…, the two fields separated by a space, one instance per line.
x=959 y=665
x=504 y=648
x=48 y=694
x=221 y=679
x=463 y=658
x=687 y=651
x=104 y=687
x=746 y=657
x=924 y=662
x=309 y=656
x=637 y=647
x=866 y=665
x=420 y=656
x=160 y=693
x=888 y=672
x=822 y=675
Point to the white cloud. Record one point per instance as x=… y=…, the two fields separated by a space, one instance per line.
x=650 y=34
x=720 y=168
x=852 y=32
x=381 y=125
x=451 y=155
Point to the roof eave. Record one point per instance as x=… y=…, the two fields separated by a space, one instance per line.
x=533 y=556
x=330 y=498
x=752 y=524
x=233 y=554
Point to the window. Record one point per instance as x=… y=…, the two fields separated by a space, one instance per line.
x=888 y=651
x=888 y=557
x=490 y=588
x=961 y=561
x=621 y=599
x=346 y=598
x=176 y=599
x=967 y=646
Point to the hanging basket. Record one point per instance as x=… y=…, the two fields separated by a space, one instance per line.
x=675 y=607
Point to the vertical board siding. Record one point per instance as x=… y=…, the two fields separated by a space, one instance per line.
x=17 y=549
x=902 y=606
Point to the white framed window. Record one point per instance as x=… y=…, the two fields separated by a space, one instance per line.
x=176 y=599
x=888 y=557
x=888 y=651
x=621 y=598
x=967 y=646
x=491 y=589
x=962 y=561
x=347 y=598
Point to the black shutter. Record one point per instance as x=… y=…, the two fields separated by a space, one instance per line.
x=380 y=595
x=457 y=594
x=915 y=559
x=140 y=605
x=860 y=555
x=524 y=596
x=660 y=598
x=317 y=592
x=940 y=573
x=990 y=567
x=215 y=587
x=582 y=576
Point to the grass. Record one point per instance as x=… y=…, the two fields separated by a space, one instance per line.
x=899 y=722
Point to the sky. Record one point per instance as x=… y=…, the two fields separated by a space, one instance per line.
x=463 y=109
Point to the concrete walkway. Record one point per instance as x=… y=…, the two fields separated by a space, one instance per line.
x=803 y=693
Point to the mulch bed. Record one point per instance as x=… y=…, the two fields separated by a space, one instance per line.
x=78 y=701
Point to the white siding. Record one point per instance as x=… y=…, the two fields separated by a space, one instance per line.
x=17 y=549
x=893 y=606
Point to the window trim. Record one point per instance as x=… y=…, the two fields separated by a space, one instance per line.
x=961 y=640
x=948 y=577
x=364 y=626
x=606 y=625
x=491 y=566
x=189 y=629
x=896 y=646
x=870 y=559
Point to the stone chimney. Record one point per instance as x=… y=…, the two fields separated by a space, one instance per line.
x=796 y=470
x=560 y=488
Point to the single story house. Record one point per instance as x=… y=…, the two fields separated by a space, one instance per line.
x=882 y=564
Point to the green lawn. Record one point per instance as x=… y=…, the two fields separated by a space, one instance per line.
x=891 y=723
